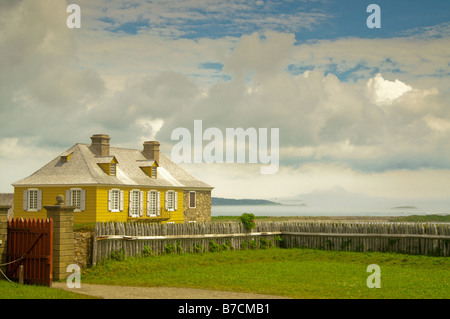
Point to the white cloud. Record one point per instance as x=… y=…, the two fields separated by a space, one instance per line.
x=340 y=123
x=384 y=91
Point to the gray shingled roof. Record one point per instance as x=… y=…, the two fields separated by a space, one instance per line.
x=8 y=199
x=82 y=169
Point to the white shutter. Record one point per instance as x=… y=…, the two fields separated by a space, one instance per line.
x=121 y=201
x=141 y=203
x=166 y=200
x=39 y=199
x=109 y=200
x=158 y=200
x=68 y=201
x=83 y=200
x=25 y=200
x=176 y=201
x=130 y=199
x=148 y=203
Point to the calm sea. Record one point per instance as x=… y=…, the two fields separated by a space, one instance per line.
x=292 y=210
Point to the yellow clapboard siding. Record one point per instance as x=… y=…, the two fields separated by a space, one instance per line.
x=49 y=195
x=104 y=215
x=96 y=203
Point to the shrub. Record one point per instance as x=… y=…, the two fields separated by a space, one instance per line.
x=169 y=249
x=278 y=241
x=118 y=255
x=213 y=247
x=178 y=247
x=147 y=252
x=198 y=248
x=253 y=244
x=265 y=243
x=248 y=220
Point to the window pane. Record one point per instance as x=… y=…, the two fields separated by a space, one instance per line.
x=115 y=199
x=135 y=203
x=152 y=202
x=76 y=198
x=170 y=200
x=192 y=199
x=32 y=199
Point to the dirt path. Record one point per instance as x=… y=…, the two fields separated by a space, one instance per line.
x=123 y=292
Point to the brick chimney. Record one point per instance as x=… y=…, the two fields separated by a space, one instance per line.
x=151 y=150
x=100 y=143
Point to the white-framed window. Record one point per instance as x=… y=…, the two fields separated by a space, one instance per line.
x=153 y=203
x=76 y=197
x=32 y=200
x=136 y=205
x=112 y=169
x=192 y=199
x=171 y=199
x=115 y=200
x=153 y=172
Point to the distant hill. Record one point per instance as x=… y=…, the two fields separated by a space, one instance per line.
x=228 y=201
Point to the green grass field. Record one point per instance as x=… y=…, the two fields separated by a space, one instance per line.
x=16 y=291
x=295 y=273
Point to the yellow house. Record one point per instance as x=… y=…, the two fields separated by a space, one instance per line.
x=108 y=183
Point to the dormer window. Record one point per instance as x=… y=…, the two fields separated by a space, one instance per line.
x=150 y=168
x=108 y=164
x=65 y=157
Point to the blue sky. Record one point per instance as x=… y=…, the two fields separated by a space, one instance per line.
x=362 y=110
x=321 y=19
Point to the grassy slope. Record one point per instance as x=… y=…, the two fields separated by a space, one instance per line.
x=297 y=273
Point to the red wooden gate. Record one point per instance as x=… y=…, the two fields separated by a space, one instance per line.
x=30 y=243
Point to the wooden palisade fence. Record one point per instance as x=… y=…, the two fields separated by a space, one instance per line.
x=132 y=239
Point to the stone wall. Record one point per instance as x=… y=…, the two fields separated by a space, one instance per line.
x=202 y=212
x=3 y=234
x=83 y=249
x=7 y=199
